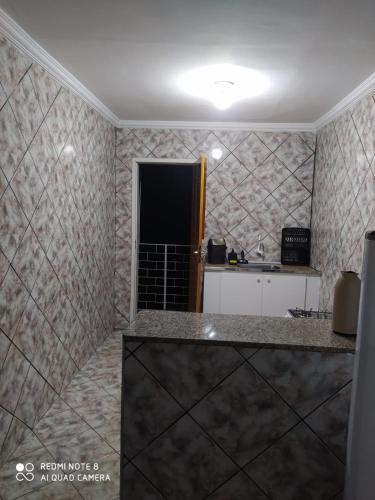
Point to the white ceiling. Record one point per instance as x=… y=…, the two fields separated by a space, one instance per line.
x=130 y=53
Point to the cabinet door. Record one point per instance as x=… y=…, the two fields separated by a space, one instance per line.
x=241 y=293
x=211 y=292
x=281 y=293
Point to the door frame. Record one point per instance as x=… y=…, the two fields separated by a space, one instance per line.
x=136 y=162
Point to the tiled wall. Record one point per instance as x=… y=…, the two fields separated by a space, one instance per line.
x=163 y=277
x=262 y=182
x=224 y=423
x=344 y=194
x=56 y=239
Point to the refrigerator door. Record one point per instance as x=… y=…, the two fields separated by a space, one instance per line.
x=360 y=466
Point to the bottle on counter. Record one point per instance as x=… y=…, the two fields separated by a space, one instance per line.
x=242 y=258
x=232 y=258
x=346 y=303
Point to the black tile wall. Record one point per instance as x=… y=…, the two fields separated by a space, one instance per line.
x=154 y=282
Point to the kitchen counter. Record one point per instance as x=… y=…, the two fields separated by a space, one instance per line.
x=296 y=270
x=231 y=407
x=260 y=331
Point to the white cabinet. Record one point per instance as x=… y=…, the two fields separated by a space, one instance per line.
x=241 y=293
x=211 y=292
x=281 y=293
x=234 y=292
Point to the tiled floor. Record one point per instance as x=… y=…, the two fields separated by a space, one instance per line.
x=83 y=425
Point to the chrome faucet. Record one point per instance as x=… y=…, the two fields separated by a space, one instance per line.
x=260 y=252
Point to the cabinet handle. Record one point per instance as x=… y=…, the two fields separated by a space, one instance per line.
x=258 y=281
x=268 y=281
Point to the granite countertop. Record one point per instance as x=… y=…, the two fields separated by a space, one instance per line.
x=297 y=270
x=258 y=331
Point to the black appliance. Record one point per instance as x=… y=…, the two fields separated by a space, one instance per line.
x=295 y=246
x=216 y=251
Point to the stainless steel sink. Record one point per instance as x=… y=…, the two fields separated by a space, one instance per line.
x=261 y=266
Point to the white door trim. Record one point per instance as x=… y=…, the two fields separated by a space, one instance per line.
x=135 y=220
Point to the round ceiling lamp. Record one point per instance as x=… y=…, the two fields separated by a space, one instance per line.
x=223 y=84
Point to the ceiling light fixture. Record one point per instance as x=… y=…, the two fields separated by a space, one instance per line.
x=224 y=84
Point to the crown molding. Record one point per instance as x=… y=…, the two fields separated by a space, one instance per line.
x=363 y=89
x=25 y=43
x=260 y=127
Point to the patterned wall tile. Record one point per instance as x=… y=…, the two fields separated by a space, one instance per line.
x=250 y=193
x=13 y=375
x=26 y=108
x=300 y=455
x=293 y=152
x=45 y=86
x=299 y=385
x=230 y=173
x=157 y=410
x=188 y=372
x=271 y=173
x=13 y=64
x=191 y=137
x=239 y=488
x=12 y=145
x=230 y=414
x=330 y=421
x=57 y=234
x=291 y=194
x=136 y=486
x=27 y=185
x=273 y=140
x=13 y=223
x=245 y=437
x=231 y=138
x=174 y=454
x=239 y=184
x=251 y=152
x=13 y=299
x=343 y=198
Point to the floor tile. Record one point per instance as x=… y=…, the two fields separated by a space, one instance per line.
x=54 y=491
x=100 y=490
x=10 y=487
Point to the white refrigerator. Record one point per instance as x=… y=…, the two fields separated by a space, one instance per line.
x=360 y=466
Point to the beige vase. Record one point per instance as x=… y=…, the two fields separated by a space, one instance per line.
x=346 y=303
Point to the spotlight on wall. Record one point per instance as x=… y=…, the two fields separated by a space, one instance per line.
x=69 y=149
x=216 y=153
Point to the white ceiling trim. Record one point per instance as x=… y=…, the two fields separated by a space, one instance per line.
x=363 y=89
x=264 y=127
x=24 y=42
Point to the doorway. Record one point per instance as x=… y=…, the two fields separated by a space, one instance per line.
x=167 y=232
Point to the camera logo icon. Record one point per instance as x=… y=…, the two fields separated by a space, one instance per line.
x=25 y=472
